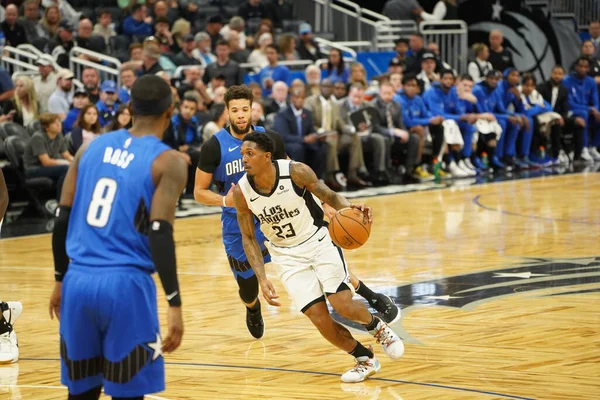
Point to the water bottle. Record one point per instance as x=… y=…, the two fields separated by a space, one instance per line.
x=484 y=160
x=542 y=153
x=436 y=168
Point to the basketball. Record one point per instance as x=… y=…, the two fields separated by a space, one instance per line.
x=350 y=228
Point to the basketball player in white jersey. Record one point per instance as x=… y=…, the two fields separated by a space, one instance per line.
x=9 y=311
x=286 y=198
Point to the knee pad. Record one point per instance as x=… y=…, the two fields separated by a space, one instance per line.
x=248 y=288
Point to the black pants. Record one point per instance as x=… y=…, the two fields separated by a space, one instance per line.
x=56 y=173
x=552 y=143
x=406 y=153
x=314 y=155
x=572 y=138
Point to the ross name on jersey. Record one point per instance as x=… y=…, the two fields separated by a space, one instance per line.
x=234 y=167
x=118 y=157
x=275 y=215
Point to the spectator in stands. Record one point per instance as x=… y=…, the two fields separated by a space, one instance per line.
x=254 y=9
x=63 y=44
x=31 y=21
x=45 y=82
x=234 y=75
x=7 y=88
x=86 y=128
x=192 y=77
x=391 y=124
x=312 y=76
x=264 y=26
x=136 y=52
x=335 y=69
x=213 y=26
x=329 y=124
x=358 y=74
x=150 y=65
x=181 y=28
x=273 y=72
x=126 y=5
x=278 y=99
x=80 y=100
x=587 y=50
x=480 y=67
x=13 y=30
x=418 y=119
x=258 y=113
x=46 y=154
x=51 y=20
x=307 y=48
x=215 y=83
x=401 y=51
x=25 y=103
x=594 y=30
x=258 y=56
x=287 y=47
x=128 y=78
x=104 y=26
x=166 y=59
x=256 y=91
x=162 y=30
x=138 y=23
x=546 y=144
x=402 y=10
x=183 y=135
x=442 y=65
x=122 y=119
x=219 y=95
x=237 y=24
x=190 y=8
x=396 y=67
x=238 y=54
x=218 y=120
x=499 y=57
x=66 y=10
x=372 y=141
x=396 y=81
x=202 y=52
x=339 y=92
x=61 y=99
x=162 y=10
x=108 y=103
x=302 y=144
x=583 y=104
x=185 y=56
x=91 y=82
x=427 y=76
x=415 y=54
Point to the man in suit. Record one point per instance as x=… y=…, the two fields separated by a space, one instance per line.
x=327 y=120
x=278 y=99
x=555 y=93
x=296 y=126
x=373 y=142
x=392 y=125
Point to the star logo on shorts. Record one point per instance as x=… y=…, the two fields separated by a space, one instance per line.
x=156 y=346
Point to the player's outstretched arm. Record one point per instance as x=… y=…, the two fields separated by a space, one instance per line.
x=169 y=172
x=3 y=196
x=304 y=177
x=251 y=247
x=61 y=228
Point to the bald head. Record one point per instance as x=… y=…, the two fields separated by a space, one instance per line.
x=11 y=14
x=496 y=39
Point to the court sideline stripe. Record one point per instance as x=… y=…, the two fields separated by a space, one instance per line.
x=299 y=371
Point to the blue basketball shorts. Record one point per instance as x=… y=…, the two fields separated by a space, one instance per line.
x=109 y=332
x=232 y=240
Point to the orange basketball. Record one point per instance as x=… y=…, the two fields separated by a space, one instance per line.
x=349 y=228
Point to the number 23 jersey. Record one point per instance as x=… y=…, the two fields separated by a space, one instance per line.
x=289 y=215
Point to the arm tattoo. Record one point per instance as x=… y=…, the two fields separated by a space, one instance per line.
x=304 y=177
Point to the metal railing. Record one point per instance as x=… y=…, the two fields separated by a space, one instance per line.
x=325 y=45
x=583 y=11
x=390 y=30
x=452 y=39
x=77 y=64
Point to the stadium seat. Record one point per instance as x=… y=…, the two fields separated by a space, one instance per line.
x=34 y=127
x=98 y=43
x=15 y=147
x=121 y=42
x=40 y=43
x=8 y=129
x=88 y=12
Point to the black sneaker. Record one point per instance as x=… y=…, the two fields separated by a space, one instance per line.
x=389 y=311
x=254 y=322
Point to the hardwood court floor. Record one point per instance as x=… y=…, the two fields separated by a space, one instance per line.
x=500 y=286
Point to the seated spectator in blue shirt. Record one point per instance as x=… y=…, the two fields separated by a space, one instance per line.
x=273 y=73
x=80 y=100
x=138 y=24
x=107 y=106
x=128 y=77
x=183 y=135
x=336 y=70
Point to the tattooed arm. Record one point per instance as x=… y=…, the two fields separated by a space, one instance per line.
x=304 y=177
x=251 y=247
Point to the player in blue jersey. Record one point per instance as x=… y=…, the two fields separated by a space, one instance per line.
x=114 y=224
x=221 y=163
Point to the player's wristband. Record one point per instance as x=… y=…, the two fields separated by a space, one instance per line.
x=59 y=242
x=162 y=248
x=224 y=199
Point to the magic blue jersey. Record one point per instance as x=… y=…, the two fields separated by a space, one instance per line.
x=110 y=214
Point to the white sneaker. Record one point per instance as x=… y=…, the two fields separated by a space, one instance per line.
x=470 y=165
x=462 y=165
x=563 y=158
x=456 y=171
x=585 y=155
x=12 y=311
x=391 y=343
x=594 y=153
x=9 y=349
x=364 y=368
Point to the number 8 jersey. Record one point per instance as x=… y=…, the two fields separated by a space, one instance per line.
x=289 y=215
x=111 y=209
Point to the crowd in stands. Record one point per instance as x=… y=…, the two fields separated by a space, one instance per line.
x=421 y=118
